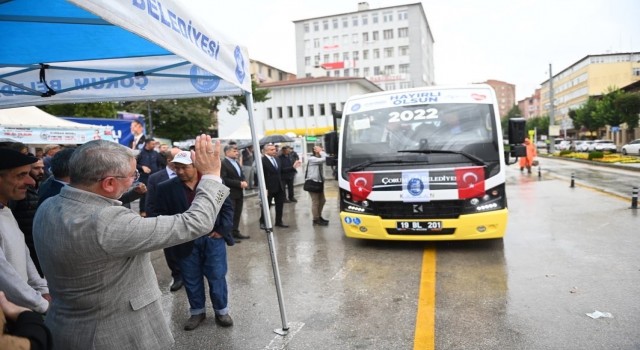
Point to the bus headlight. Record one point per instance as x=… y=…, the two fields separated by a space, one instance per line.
x=493 y=199
x=348 y=204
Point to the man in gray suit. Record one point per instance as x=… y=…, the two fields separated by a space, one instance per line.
x=96 y=254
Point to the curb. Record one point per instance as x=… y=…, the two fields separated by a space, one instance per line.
x=604 y=165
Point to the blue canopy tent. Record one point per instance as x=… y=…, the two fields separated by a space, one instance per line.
x=54 y=51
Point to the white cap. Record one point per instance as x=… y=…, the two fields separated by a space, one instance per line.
x=183 y=157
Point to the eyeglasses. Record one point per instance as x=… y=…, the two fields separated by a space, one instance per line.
x=135 y=176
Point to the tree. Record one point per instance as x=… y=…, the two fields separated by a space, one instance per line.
x=587 y=116
x=540 y=124
x=95 y=110
x=628 y=105
x=606 y=109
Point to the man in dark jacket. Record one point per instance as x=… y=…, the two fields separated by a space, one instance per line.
x=205 y=256
x=149 y=162
x=232 y=175
x=289 y=165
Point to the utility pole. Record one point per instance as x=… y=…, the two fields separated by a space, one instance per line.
x=552 y=139
x=150 y=118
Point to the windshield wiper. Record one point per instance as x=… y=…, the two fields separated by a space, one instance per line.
x=475 y=159
x=363 y=165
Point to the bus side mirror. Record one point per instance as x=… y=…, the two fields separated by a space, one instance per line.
x=517 y=131
x=331 y=142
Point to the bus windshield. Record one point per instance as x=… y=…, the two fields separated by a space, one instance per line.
x=425 y=136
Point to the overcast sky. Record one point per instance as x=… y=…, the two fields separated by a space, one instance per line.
x=508 y=40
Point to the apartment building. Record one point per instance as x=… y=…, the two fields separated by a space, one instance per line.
x=505 y=93
x=592 y=75
x=264 y=73
x=530 y=106
x=390 y=46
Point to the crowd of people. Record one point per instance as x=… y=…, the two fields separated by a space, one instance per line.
x=73 y=251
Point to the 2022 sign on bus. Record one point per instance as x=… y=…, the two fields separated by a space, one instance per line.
x=424 y=164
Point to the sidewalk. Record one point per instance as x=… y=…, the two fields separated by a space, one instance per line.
x=623 y=166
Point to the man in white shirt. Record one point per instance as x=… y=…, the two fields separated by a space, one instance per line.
x=19 y=278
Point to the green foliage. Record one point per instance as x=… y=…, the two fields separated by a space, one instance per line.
x=613 y=108
x=541 y=124
x=514 y=112
x=92 y=110
x=595 y=155
x=176 y=119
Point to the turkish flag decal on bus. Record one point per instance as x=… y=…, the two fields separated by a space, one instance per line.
x=470 y=182
x=360 y=185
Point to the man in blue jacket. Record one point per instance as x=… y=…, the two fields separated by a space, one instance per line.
x=205 y=256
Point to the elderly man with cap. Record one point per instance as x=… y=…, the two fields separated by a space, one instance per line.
x=19 y=278
x=49 y=151
x=207 y=255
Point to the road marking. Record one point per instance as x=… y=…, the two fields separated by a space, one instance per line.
x=425 y=319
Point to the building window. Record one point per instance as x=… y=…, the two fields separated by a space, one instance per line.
x=345 y=56
x=279 y=112
x=322 y=109
x=376 y=70
x=387 y=16
x=311 y=111
x=345 y=38
x=356 y=72
x=336 y=73
x=300 y=111
x=390 y=86
x=636 y=72
x=332 y=106
x=307 y=61
x=325 y=24
x=335 y=23
x=365 y=54
x=354 y=38
x=326 y=58
x=355 y=55
x=306 y=27
x=387 y=34
x=403 y=50
x=316 y=26
x=336 y=57
x=290 y=111
x=388 y=52
x=269 y=73
x=390 y=69
x=347 y=73
x=335 y=39
x=374 y=18
x=405 y=85
x=365 y=72
x=316 y=43
x=354 y=21
x=365 y=37
x=403 y=68
x=403 y=15
x=345 y=22
x=376 y=53
x=269 y=113
x=365 y=20
x=375 y=35
x=403 y=32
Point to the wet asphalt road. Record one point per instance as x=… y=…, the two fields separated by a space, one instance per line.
x=567 y=252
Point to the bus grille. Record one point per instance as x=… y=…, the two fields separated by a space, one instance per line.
x=427 y=210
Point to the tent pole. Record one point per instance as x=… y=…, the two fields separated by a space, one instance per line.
x=267 y=217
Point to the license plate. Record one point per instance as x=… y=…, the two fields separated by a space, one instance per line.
x=424 y=226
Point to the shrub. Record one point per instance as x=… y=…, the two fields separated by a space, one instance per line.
x=595 y=155
x=565 y=152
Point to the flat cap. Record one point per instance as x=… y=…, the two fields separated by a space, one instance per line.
x=10 y=159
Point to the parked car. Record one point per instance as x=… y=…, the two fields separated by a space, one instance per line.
x=604 y=145
x=632 y=147
x=541 y=144
x=563 y=145
x=584 y=145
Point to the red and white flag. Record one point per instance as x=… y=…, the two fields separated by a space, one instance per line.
x=360 y=185
x=470 y=182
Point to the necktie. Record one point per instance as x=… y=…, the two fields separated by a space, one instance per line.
x=237 y=166
x=273 y=161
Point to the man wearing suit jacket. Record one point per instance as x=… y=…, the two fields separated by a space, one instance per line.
x=97 y=255
x=207 y=255
x=272 y=177
x=232 y=175
x=150 y=204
